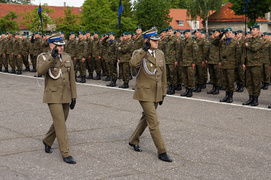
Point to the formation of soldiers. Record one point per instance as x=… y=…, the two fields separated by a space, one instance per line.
x=227 y=58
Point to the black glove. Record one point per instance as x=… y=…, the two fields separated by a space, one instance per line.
x=72 y=105
x=146 y=45
x=222 y=34
x=161 y=102
x=54 y=53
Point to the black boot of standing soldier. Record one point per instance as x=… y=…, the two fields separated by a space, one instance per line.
x=249 y=101
x=185 y=93
x=225 y=98
x=230 y=98
x=255 y=101
x=212 y=91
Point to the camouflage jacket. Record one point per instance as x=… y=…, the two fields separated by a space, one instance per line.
x=171 y=50
x=3 y=45
x=71 y=48
x=96 y=48
x=81 y=49
x=112 y=47
x=206 y=49
x=161 y=44
x=138 y=42
x=26 y=46
x=45 y=46
x=213 y=54
x=253 y=50
x=37 y=47
x=125 y=51
x=17 y=47
x=266 y=52
x=89 y=49
x=200 y=43
x=189 y=54
x=9 y=45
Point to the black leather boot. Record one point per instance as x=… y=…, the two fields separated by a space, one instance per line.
x=230 y=98
x=114 y=84
x=179 y=87
x=169 y=88
x=27 y=68
x=6 y=69
x=249 y=101
x=172 y=91
x=83 y=79
x=185 y=93
x=90 y=76
x=241 y=89
x=212 y=91
x=125 y=86
x=225 y=98
x=265 y=87
x=98 y=77
x=238 y=87
x=216 y=92
x=198 y=89
x=255 y=101
x=190 y=93
x=203 y=86
x=195 y=88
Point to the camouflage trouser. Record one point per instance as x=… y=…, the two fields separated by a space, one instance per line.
x=82 y=67
x=1 y=62
x=97 y=65
x=266 y=73
x=11 y=61
x=89 y=66
x=188 y=75
x=171 y=74
x=214 y=74
x=205 y=73
x=228 y=79
x=4 y=61
x=239 y=75
x=18 y=62
x=25 y=60
x=179 y=74
x=199 y=75
x=253 y=80
x=34 y=61
x=124 y=71
x=104 y=65
x=112 y=69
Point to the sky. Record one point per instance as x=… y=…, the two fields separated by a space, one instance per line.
x=75 y=3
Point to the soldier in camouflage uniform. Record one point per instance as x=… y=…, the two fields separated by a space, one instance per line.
x=177 y=34
x=8 y=50
x=199 y=75
x=188 y=56
x=266 y=57
x=212 y=61
x=253 y=66
x=71 y=49
x=124 y=50
x=37 y=49
x=104 y=57
x=138 y=41
x=171 y=55
x=45 y=43
x=89 y=65
x=17 y=53
x=161 y=43
x=81 y=55
x=240 y=75
x=229 y=54
x=205 y=57
x=96 y=56
x=2 y=52
x=112 y=46
x=25 y=51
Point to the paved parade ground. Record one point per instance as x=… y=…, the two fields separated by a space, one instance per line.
x=206 y=139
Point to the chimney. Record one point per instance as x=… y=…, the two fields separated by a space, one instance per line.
x=64 y=4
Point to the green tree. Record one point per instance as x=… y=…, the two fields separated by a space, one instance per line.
x=203 y=8
x=152 y=12
x=8 y=23
x=31 y=19
x=14 y=1
x=177 y=4
x=69 y=23
x=254 y=10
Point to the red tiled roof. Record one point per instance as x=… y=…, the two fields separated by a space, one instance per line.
x=228 y=15
x=20 y=8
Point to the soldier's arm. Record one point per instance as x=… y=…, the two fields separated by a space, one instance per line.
x=137 y=58
x=216 y=41
x=255 y=46
x=44 y=64
x=72 y=81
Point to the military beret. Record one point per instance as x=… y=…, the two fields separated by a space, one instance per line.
x=134 y=34
x=177 y=30
x=240 y=31
x=36 y=33
x=10 y=32
x=56 y=39
x=92 y=34
x=62 y=32
x=211 y=33
x=153 y=27
x=24 y=34
x=95 y=32
x=196 y=30
x=72 y=33
x=265 y=33
x=3 y=33
x=228 y=29
x=152 y=34
x=81 y=32
x=222 y=30
x=16 y=34
x=128 y=33
x=102 y=35
x=203 y=32
x=169 y=27
x=138 y=27
x=53 y=32
x=186 y=30
x=218 y=30
x=254 y=26
x=112 y=33
x=248 y=32
x=269 y=34
x=87 y=31
x=39 y=33
x=163 y=30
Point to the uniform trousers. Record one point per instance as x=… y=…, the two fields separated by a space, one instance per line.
x=89 y=65
x=124 y=71
x=149 y=118
x=11 y=62
x=58 y=129
x=266 y=73
x=112 y=69
x=97 y=65
x=214 y=74
x=171 y=74
x=253 y=80
x=179 y=73
x=82 y=67
x=228 y=79
x=25 y=60
x=239 y=75
x=199 y=75
x=18 y=62
x=34 y=61
x=188 y=77
x=4 y=60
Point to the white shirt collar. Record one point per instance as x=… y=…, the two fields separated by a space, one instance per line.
x=150 y=51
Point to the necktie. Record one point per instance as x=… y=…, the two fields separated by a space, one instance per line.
x=152 y=54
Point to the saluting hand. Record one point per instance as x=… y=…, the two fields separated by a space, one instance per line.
x=176 y=63
x=193 y=66
x=83 y=59
x=244 y=67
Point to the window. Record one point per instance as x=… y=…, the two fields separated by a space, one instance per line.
x=180 y=22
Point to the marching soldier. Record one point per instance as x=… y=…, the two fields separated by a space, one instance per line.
x=188 y=60
x=230 y=52
x=206 y=45
x=253 y=66
x=25 y=51
x=9 y=53
x=17 y=53
x=89 y=58
x=81 y=54
x=150 y=90
x=59 y=93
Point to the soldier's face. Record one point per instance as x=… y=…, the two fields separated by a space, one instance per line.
x=229 y=34
x=124 y=37
x=9 y=35
x=265 y=37
x=60 y=48
x=177 y=34
x=72 y=36
x=187 y=35
x=255 y=32
x=138 y=31
x=81 y=36
x=163 y=34
x=203 y=36
x=154 y=44
x=111 y=37
x=197 y=34
x=170 y=32
x=3 y=35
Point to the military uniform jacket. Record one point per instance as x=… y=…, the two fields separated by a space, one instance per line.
x=81 y=49
x=254 y=51
x=171 y=50
x=96 y=48
x=89 y=49
x=161 y=44
x=71 y=47
x=152 y=85
x=125 y=51
x=189 y=54
x=266 y=52
x=3 y=46
x=214 y=53
x=45 y=46
x=17 y=47
x=59 y=75
x=206 y=49
x=230 y=52
x=37 y=47
x=200 y=43
x=138 y=42
x=112 y=50
x=26 y=46
x=241 y=48
x=9 y=45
